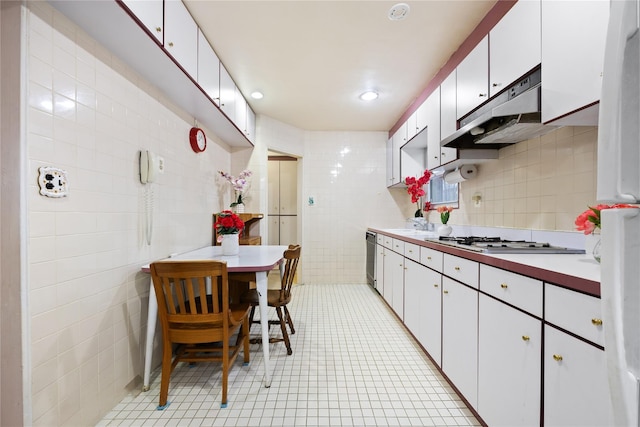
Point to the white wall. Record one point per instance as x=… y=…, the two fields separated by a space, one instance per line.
x=89 y=114
x=345 y=172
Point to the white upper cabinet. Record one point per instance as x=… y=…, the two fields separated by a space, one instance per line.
x=227 y=94
x=398 y=139
x=149 y=12
x=241 y=111
x=208 y=69
x=573 y=40
x=448 y=119
x=514 y=45
x=432 y=114
x=251 y=124
x=472 y=79
x=181 y=36
x=412 y=125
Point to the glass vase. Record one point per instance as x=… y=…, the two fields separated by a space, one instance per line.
x=596 y=250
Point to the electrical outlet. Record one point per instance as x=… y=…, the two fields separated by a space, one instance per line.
x=53 y=182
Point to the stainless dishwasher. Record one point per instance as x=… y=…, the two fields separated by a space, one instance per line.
x=371 y=259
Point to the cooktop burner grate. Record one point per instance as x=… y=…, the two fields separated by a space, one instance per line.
x=499 y=245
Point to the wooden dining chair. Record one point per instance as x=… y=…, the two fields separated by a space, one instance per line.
x=195 y=314
x=279 y=298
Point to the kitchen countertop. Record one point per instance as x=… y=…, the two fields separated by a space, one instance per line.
x=578 y=272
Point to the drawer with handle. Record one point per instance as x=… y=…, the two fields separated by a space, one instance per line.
x=577 y=313
x=431 y=258
x=462 y=270
x=515 y=289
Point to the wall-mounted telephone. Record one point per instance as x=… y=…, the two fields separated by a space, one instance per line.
x=150 y=165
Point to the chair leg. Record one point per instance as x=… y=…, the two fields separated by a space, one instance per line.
x=251 y=321
x=283 y=327
x=245 y=338
x=225 y=372
x=167 y=352
x=287 y=316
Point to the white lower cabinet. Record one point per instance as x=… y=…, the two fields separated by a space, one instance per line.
x=509 y=368
x=380 y=268
x=460 y=337
x=485 y=327
x=394 y=281
x=575 y=382
x=422 y=307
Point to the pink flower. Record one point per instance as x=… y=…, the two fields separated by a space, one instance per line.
x=444 y=212
x=589 y=220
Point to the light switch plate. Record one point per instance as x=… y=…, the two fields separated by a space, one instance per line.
x=53 y=182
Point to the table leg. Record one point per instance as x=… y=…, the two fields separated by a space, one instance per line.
x=261 y=287
x=152 y=318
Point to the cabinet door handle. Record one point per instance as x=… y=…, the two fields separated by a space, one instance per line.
x=445 y=292
x=482 y=95
x=429 y=258
x=170 y=44
x=496 y=84
x=456 y=268
x=504 y=286
x=159 y=29
x=557 y=358
x=435 y=285
x=597 y=322
x=525 y=338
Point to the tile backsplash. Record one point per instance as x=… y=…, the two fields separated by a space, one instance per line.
x=539 y=184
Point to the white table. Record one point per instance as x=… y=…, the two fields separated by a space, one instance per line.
x=252 y=261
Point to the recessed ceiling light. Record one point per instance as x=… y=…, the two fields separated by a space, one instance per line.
x=369 y=95
x=257 y=95
x=398 y=11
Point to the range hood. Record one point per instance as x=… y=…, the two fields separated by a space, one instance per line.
x=512 y=116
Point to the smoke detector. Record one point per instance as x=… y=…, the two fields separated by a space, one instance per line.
x=398 y=12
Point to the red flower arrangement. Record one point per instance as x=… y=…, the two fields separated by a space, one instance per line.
x=414 y=188
x=228 y=223
x=589 y=220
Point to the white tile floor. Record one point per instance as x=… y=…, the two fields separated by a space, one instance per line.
x=353 y=364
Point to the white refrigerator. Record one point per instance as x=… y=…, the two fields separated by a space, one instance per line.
x=619 y=182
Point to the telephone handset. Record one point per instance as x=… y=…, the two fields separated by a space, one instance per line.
x=150 y=166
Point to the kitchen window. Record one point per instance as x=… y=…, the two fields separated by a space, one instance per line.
x=442 y=193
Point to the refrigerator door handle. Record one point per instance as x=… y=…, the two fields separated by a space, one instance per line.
x=620 y=294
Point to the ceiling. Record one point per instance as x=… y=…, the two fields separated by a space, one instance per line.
x=312 y=59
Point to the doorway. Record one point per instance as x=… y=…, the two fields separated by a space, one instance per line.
x=282 y=200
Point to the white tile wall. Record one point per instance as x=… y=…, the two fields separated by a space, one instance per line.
x=90 y=115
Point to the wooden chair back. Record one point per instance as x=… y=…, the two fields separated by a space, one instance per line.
x=193 y=299
x=291 y=259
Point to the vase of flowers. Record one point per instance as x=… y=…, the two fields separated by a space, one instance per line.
x=415 y=189
x=589 y=223
x=240 y=184
x=228 y=227
x=444 y=229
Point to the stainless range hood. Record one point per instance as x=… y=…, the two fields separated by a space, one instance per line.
x=510 y=117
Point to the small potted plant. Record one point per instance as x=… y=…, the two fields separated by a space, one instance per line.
x=444 y=211
x=589 y=223
x=240 y=184
x=228 y=227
